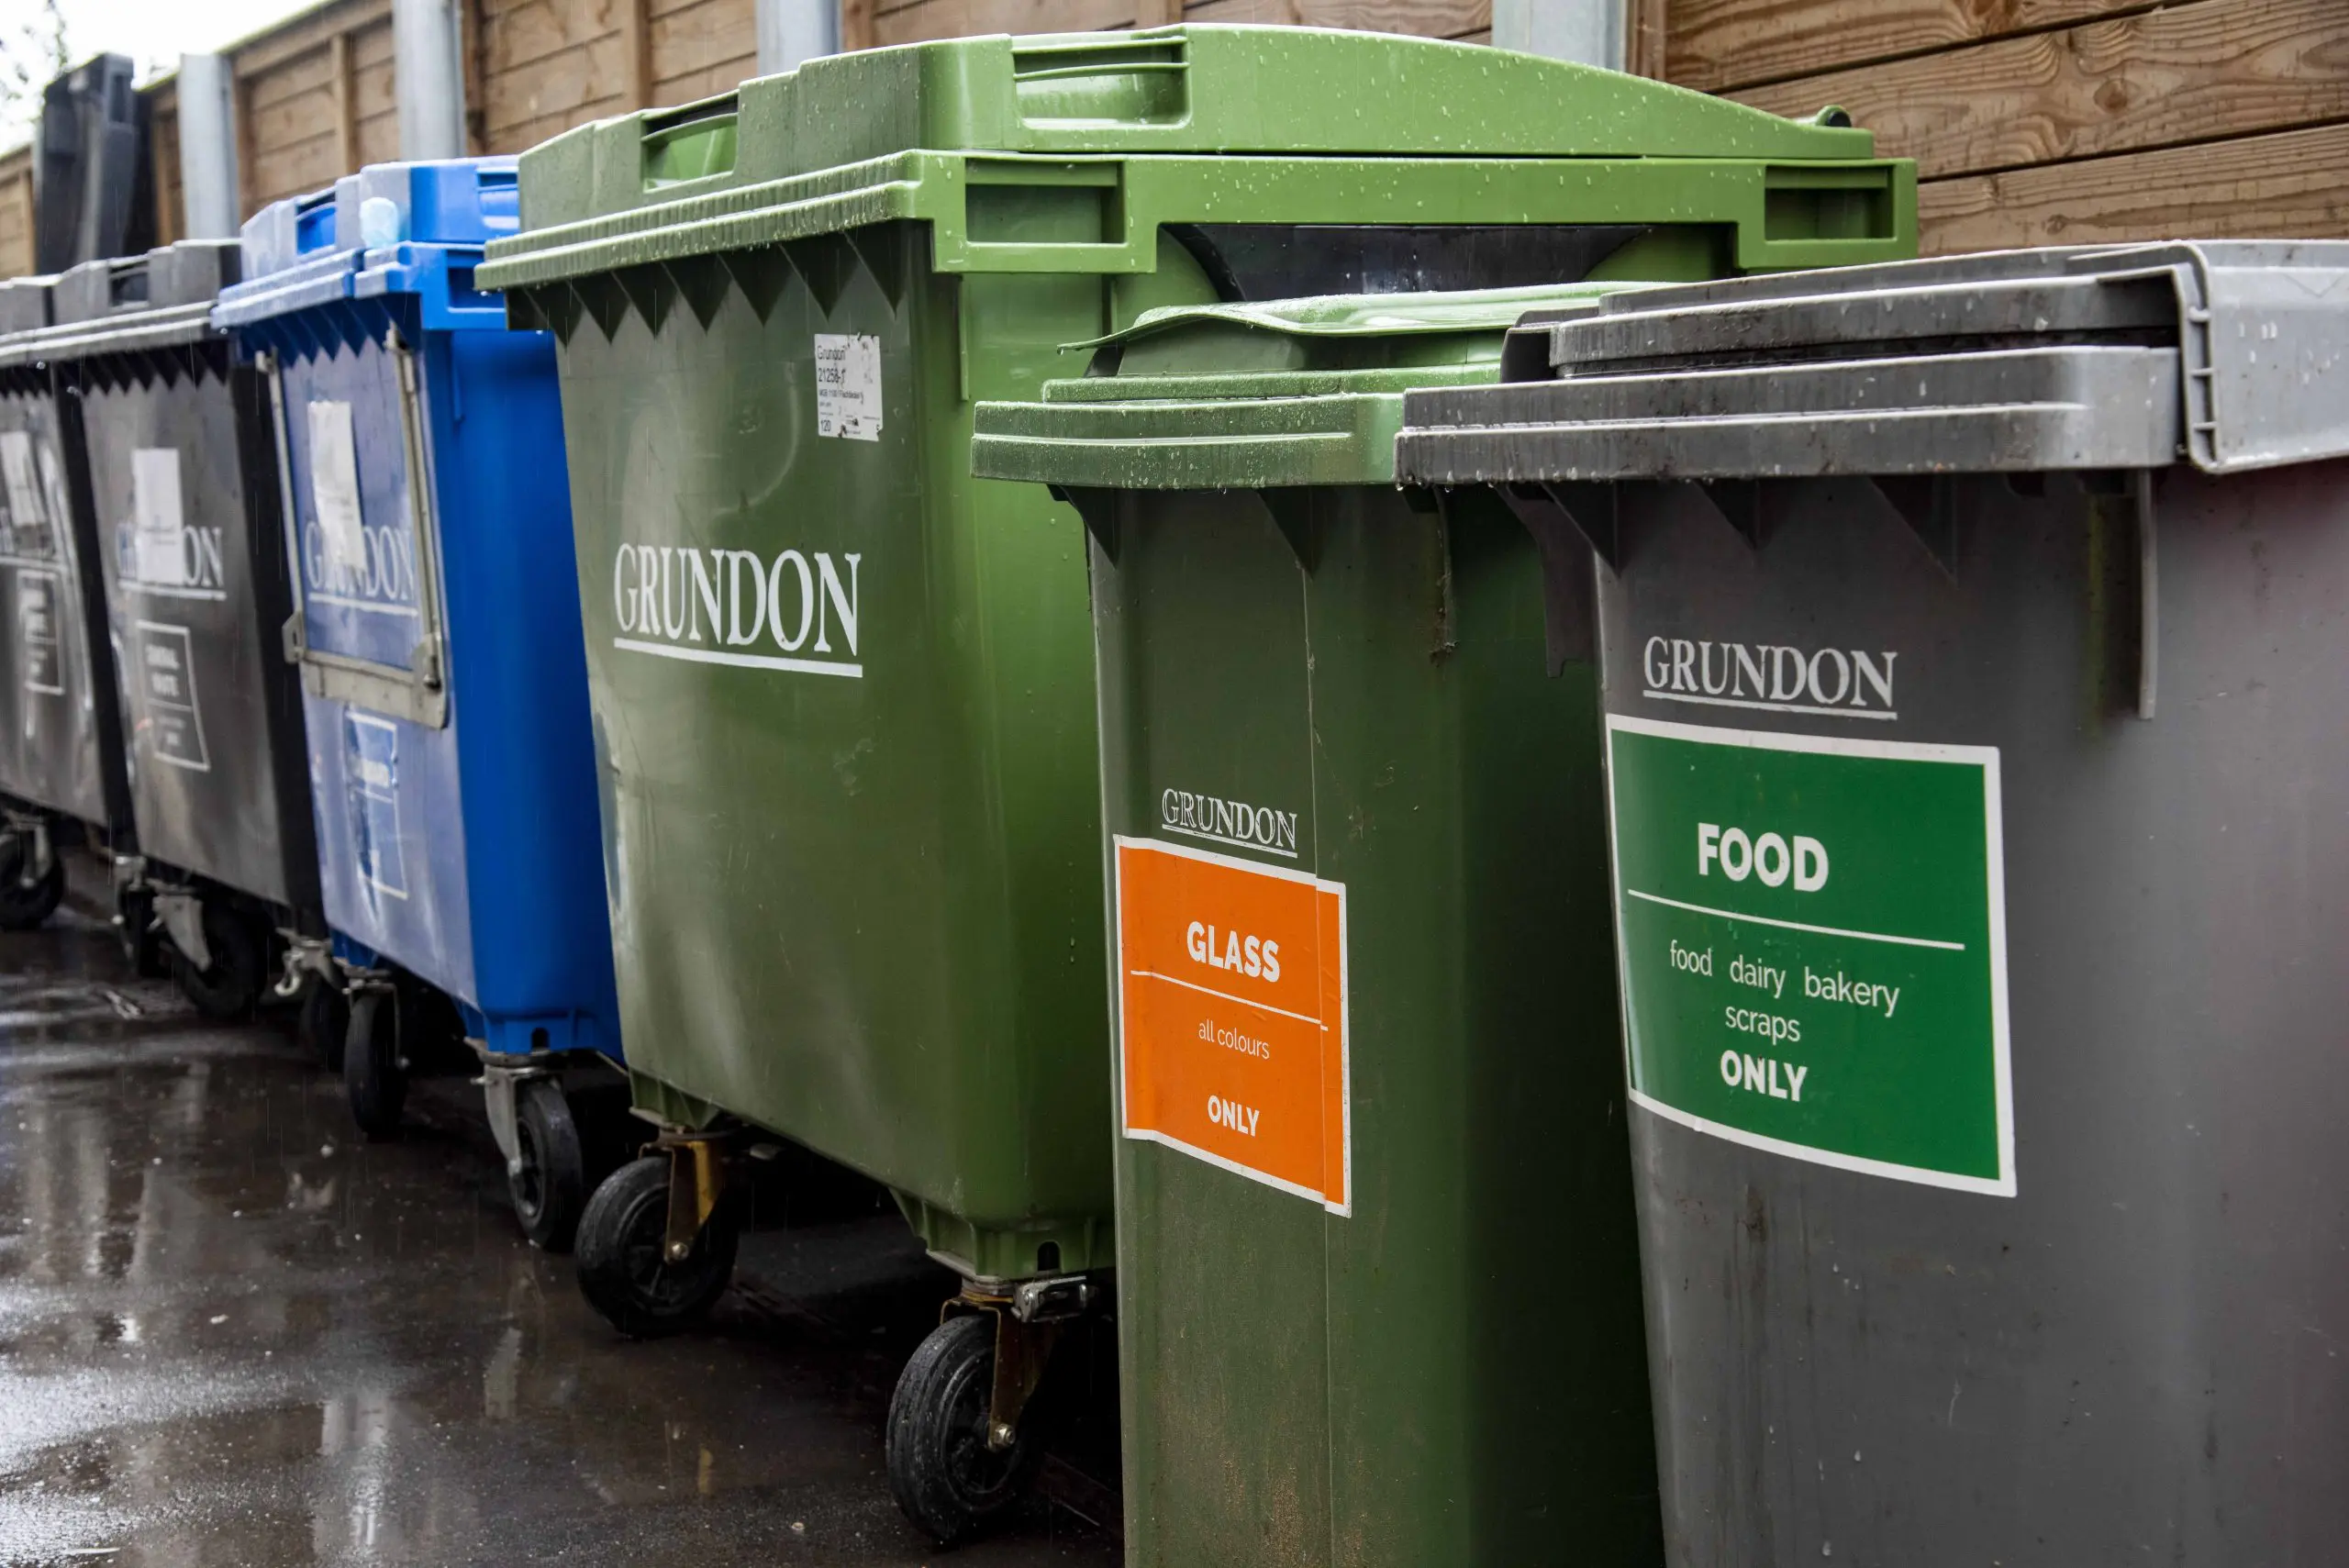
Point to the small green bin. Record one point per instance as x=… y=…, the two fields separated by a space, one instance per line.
x=854 y=843
x=1378 y=1286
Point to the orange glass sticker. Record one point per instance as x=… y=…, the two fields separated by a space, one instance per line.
x=1232 y=998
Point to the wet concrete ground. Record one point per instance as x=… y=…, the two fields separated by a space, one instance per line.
x=234 y=1332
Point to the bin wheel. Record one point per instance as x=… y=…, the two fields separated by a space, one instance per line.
x=946 y=1478
x=550 y=1187
x=232 y=985
x=622 y=1271
x=324 y=1022
x=24 y=906
x=372 y=1074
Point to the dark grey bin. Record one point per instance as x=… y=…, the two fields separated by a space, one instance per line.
x=61 y=777
x=2010 y=597
x=182 y=500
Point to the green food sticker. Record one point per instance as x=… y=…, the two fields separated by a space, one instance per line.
x=1814 y=944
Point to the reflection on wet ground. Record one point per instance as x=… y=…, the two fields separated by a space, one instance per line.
x=233 y=1332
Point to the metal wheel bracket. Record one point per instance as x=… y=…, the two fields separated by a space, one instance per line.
x=306 y=956
x=501 y=1089
x=33 y=827
x=1028 y=1324
x=181 y=914
x=696 y=1181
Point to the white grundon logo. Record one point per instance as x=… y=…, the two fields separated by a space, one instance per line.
x=796 y=612
x=1848 y=683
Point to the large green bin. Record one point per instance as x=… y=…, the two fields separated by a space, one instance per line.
x=1378 y=1286
x=855 y=858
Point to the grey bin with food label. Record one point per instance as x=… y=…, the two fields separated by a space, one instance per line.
x=1972 y=636
x=183 y=505
x=61 y=777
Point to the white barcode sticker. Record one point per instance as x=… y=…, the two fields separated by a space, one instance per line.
x=334 y=485
x=847 y=386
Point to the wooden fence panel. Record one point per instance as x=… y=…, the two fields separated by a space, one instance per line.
x=700 y=47
x=2201 y=71
x=2285 y=185
x=16 y=213
x=1716 y=44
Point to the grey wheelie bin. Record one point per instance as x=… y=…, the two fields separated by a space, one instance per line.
x=1975 y=639
x=62 y=778
x=183 y=503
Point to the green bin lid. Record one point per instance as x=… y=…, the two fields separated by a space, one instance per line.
x=845 y=140
x=1263 y=395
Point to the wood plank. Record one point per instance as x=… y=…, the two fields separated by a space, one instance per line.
x=968 y=18
x=528 y=134
x=555 y=88
x=513 y=35
x=303 y=73
x=636 y=52
x=373 y=91
x=706 y=83
x=294 y=170
x=163 y=143
x=691 y=40
x=379 y=140
x=1650 y=31
x=346 y=108
x=1715 y=44
x=2204 y=70
x=2285 y=185
x=371 y=43
x=856 y=24
x=293 y=121
x=1419 y=18
x=301 y=33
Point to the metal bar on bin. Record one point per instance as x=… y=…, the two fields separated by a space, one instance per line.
x=419 y=692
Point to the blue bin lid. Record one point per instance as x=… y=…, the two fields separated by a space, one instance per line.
x=390 y=229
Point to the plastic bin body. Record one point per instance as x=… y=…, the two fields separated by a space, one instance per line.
x=184 y=496
x=2036 y=1272
x=854 y=867
x=1339 y=1338
x=60 y=745
x=445 y=692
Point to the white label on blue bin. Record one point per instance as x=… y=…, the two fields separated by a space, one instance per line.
x=847 y=386
x=372 y=772
x=334 y=487
x=171 y=719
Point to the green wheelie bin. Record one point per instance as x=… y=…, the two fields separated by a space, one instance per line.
x=1367 y=1051
x=853 y=848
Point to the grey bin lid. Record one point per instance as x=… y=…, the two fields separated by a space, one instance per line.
x=124 y=304
x=24 y=304
x=2231 y=355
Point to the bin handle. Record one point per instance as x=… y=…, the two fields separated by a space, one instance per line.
x=695 y=142
x=1142 y=78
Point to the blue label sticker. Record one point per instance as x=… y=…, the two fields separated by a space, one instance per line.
x=372 y=764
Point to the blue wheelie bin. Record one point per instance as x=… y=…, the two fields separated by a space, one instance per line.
x=444 y=683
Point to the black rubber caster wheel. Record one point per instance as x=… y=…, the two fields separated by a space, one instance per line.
x=374 y=1074
x=946 y=1478
x=622 y=1271
x=24 y=904
x=324 y=1021
x=551 y=1189
x=231 y=986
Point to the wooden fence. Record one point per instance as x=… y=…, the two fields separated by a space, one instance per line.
x=2033 y=121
